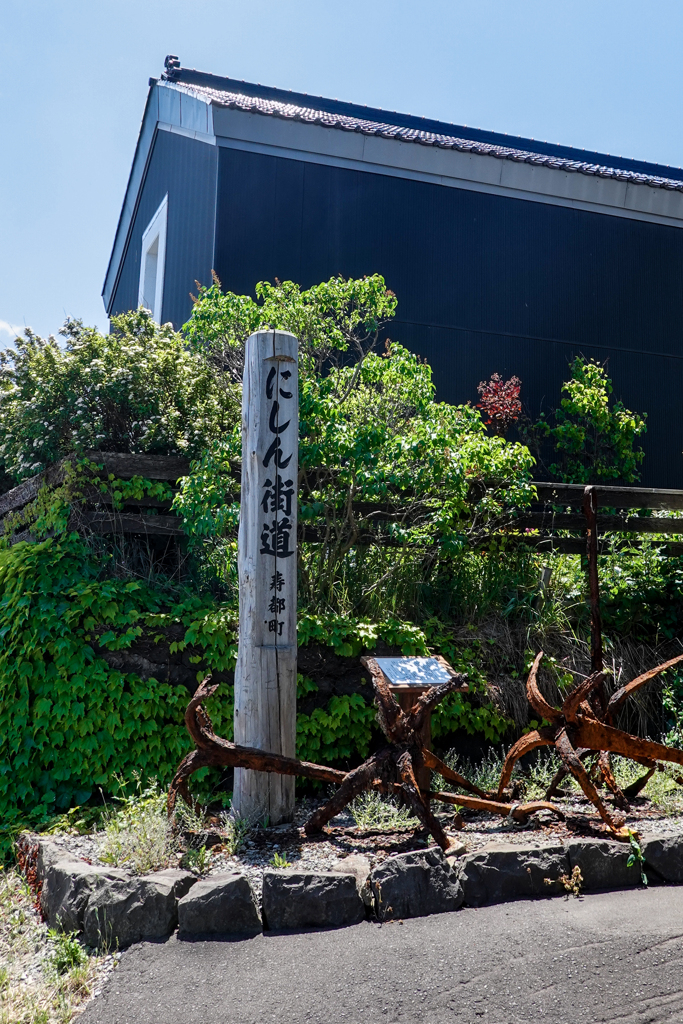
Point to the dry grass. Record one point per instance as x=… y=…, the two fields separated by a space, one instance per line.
x=662 y=790
x=44 y=978
x=506 y=647
x=138 y=835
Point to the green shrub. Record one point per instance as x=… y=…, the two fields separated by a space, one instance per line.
x=641 y=590
x=593 y=442
x=138 y=389
x=67 y=953
x=370 y=432
x=235 y=831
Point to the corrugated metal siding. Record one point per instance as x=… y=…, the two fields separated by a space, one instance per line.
x=485 y=283
x=186 y=170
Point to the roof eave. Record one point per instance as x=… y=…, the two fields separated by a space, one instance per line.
x=140 y=157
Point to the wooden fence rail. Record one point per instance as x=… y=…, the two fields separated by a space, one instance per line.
x=611 y=497
x=542 y=520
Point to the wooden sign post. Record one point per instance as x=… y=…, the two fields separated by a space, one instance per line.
x=265 y=675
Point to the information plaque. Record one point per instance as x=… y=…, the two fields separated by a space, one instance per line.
x=414 y=671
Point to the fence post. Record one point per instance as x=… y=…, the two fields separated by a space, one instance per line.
x=265 y=675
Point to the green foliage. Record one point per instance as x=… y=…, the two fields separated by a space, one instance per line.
x=208 y=502
x=636 y=856
x=389 y=442
x=485 y=774
x=672 y=701
x=641 y=590
x=50 y=511
x=663 y=789
x=338 y=732
x=328 y=319
x=138 y=389
x=456 y=712
x=349 y=637
x=137 y=834
x=68 y=722
x=593 y=442
x=279 y=860
x=235 y=830
x=371 y=811
x=197 y=858
x=67 y=952
x=370 y=432
x=400 y=489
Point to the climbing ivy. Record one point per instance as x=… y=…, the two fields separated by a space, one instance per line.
x=68 y=722
x=350 y=637
x=340 y=731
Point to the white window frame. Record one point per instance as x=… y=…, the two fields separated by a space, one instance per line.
x=155 y=232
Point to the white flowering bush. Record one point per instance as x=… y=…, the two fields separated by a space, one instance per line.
x=138 y=389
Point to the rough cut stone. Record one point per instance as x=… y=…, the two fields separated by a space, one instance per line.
x=121 y=912
x=664 y=854
x=455 y=851
x=603 y=863
x=306 y=899
x=180 y=881
x=68 y=884
x=414 y=885
x=499 y=872
x=48 y=853
x=359 y=866
x=355 y=864
x=220 y=904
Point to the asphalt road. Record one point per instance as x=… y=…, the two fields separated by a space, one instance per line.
x=609 y=957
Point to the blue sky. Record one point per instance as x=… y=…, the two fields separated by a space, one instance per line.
x=73 y=80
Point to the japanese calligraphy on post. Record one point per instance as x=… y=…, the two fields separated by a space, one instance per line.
x=265 y=677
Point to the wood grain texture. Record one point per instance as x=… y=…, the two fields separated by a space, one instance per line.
x=129 y=522
x=606 y=523
x=265 y=675
x=151 y=467
x=611 y=497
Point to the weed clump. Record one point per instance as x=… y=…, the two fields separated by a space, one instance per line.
x=570 y=883
x=371 y=811
x=234 y=829
x=67 y=952
x=138 y=835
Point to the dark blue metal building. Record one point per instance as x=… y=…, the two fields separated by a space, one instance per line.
x=506 y=254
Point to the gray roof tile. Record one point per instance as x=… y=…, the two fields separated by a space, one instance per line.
x=344 y=122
